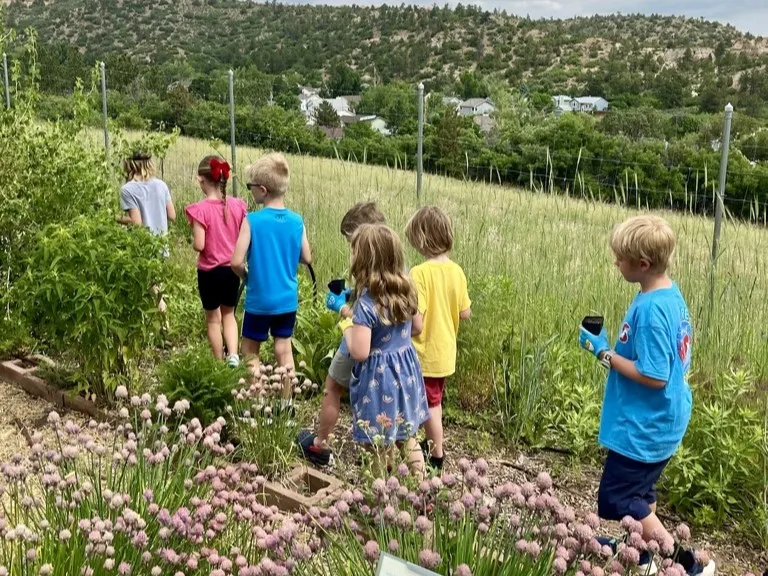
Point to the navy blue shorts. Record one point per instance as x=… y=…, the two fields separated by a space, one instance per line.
x=257 y=327
x=628 y=487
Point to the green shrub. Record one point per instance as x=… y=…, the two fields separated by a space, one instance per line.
x=194 y=374
x=720 y=470
x=87 y=294
x=316 y=337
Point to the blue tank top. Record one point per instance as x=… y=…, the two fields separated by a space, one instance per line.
x=273 y=261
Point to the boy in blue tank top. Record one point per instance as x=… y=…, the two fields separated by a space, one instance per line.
x=272 y=244
x=647 y=402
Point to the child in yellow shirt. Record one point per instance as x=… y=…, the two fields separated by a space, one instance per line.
x=443 y=301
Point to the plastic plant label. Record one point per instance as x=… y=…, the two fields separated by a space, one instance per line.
x=392 y=566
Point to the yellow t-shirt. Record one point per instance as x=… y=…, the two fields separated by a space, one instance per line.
x=443 y=294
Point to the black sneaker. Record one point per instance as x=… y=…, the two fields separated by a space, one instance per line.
x=310 y=452
x=424 y=445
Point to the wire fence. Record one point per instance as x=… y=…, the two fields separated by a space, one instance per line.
x=413 y=140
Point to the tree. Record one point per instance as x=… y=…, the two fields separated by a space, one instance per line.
x=344 y=80
x=326 y=116
x=472 y=86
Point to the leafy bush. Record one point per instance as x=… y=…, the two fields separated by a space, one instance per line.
x=315 y=339
x=194 y=374
x=87 y=294
x=719 y=472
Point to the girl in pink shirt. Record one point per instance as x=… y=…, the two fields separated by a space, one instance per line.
x=215 y=224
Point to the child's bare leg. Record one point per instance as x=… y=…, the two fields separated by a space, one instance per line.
x=213 y=324
x=434 y=430
x=652 y=524
x=329 y=412
x=284 y=356
x=251 y=350
x=229 y=324
x=415 y=458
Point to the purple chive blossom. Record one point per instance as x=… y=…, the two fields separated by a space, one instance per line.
x=592 y=520
x=463 y=570
x=544 y=481
x=404 y=520
x=606 y=551
x=594 y=547
x=121 y=392
x=561 y=531
x=429 y=559
x=597 y=571
x=560 y=565
x=423 y=525
x=371 y=550
x=629 y=556
x=402 y=470
x=636 y=541
x=393 y=546
x=481 y=466
x=533 y=549
x=683 y=533
x=702 y=557
x=124 y=569
x=46 y=570
x=156 y=571
x=584 y=533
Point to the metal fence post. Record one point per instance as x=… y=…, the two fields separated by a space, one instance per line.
x=104 y=106
x=420 y=147
x=7 y=84
x=723 y=174
x=232 y=131
x=725 y=145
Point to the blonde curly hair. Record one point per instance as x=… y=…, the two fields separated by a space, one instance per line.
x=378 y=266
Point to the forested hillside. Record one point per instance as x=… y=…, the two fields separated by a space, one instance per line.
x=664 y=62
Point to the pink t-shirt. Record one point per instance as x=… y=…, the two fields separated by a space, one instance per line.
x=220 y=235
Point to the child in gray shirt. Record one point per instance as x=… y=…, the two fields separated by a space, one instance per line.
x=145 y=198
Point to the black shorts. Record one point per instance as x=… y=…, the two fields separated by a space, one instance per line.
x=628 y=487
x=218 y=287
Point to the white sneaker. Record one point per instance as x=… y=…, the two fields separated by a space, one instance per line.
x=647 y=569
x=233 y=360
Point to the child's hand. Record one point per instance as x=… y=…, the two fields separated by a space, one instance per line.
x=594 y=344
x=336 y=302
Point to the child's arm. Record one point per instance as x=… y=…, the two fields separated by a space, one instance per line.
x=131 y=217
x=241 y=249
x=466 y=303
x=628 y=369
x=170 y=209
x=306 y=253
x=358 y=339
x=417 y=325
x=198 y=236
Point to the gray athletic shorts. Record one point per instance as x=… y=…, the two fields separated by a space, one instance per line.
x=341 y=368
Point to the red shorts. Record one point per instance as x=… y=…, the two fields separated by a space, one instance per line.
x=435 y=388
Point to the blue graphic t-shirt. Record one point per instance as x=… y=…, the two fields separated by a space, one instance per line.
x=273 y=261
x=639 y=422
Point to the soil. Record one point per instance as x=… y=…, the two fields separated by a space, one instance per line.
x=23 y=413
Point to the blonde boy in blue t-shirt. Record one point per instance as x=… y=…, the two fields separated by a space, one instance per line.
x=272 y=244
x=647 y=403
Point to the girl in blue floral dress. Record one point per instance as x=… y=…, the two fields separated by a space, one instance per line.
x=387 y=394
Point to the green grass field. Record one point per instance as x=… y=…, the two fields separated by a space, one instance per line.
x=553 y=250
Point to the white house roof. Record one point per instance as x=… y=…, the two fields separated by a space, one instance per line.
x=589 y=99
x=475 y=102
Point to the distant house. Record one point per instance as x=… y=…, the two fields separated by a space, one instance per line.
x=376 y=123
x=353 y=100
x=588 y=104
x=477 y=107
x=593 y=104
x=309 y=103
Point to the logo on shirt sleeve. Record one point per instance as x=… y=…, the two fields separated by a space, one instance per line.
x=684 y=343
x=626 y=329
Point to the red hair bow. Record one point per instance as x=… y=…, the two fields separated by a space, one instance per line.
x=219 y=170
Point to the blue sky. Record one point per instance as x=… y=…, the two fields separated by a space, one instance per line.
x=746 y=15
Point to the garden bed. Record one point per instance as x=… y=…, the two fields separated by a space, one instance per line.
x=302 y=488
x=24 y=372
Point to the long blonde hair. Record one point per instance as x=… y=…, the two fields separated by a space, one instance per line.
x=378 y=266
x=140 y=166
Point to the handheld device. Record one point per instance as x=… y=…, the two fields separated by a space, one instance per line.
x=593 y=324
